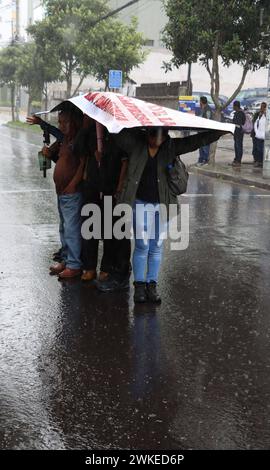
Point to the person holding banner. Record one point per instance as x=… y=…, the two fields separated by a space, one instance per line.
x=68 y=174
x=147 y=190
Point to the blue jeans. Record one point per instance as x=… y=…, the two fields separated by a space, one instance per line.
x=69 y=206
x=148 y=230
x=204 y=154
x=238 y=146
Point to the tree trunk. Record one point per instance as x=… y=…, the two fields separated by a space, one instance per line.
x=12 y=101
x=45 y=94
x=69 y=79
x=29 y=106
x=213 y=146
x=78 y=86
x=215 y=88
x=69 y=87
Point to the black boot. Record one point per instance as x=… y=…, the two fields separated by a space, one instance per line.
x=58 y=256
x=152 y=294
x=113 y=283
x=140 y=295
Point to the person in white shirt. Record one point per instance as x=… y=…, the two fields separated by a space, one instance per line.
x=258 y=136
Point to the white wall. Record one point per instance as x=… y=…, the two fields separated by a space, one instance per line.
x=151 y=71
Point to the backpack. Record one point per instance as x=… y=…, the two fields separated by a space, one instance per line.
x=247 y=128
x=177 y=177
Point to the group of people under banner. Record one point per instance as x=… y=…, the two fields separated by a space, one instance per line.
x=131 y=169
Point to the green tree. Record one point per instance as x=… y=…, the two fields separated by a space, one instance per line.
x=215 y=32
x=120 y=47
x=66 y=25
x=9 y=63
x=36 y=69
x=82 y=44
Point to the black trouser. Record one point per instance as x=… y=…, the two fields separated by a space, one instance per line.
x=90 y=247
x=120 y=257
x=258 y=149
x=238 y=145
x=116 y=253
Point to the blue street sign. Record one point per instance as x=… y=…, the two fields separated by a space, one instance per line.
x=115 y=79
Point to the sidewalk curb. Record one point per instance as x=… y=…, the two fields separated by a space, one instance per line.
x=221 y=174
x=21 y=128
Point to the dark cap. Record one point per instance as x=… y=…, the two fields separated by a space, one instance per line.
x=237 y=104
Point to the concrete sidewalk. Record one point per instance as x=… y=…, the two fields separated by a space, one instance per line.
x=246 y=174
x=5 y=115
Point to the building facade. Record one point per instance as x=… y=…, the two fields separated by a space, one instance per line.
x=15 y=17
x=151 y=19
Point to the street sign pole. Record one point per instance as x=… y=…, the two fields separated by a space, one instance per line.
x=266 y=162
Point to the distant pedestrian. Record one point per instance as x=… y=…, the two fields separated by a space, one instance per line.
x=258 y=135
x=207 y=113
x=239 y=120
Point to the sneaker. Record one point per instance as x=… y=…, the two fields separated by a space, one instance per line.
x=112 y=284
x=152 y=294
x=140 y=295
x=236 y=164
x=57 y=268
x=69 y=273
x=199 y=164
x=89 y=275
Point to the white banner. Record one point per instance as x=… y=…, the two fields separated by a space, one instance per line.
x=117 y=112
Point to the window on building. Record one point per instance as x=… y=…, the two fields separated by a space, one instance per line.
x=149 y=42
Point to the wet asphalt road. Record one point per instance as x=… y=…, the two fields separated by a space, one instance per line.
x=79 y=369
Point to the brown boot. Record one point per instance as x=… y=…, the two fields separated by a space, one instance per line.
x=69 y=273
x=57 y=268
x=103 y=276
x=89 y=275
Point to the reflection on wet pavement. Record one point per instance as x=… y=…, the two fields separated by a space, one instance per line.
x=80 y=369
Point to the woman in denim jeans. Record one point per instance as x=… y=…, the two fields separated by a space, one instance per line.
x=146 y=189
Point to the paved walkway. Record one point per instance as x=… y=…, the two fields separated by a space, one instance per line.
x=247 y=174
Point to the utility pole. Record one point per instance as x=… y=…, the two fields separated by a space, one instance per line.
x=17 y=31
x=30 y=12
x=17 y=39
x=266 y=156
x=266 y=159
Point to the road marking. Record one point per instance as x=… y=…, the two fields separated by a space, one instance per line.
x=197 y=195
x=19 y=191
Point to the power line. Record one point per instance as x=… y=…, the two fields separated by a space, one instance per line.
x=4 y=7
x=114 y=12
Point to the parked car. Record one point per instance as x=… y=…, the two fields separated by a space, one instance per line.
x=251 y=95
x=256 y=106
x=222 y=99
x=253 y=107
